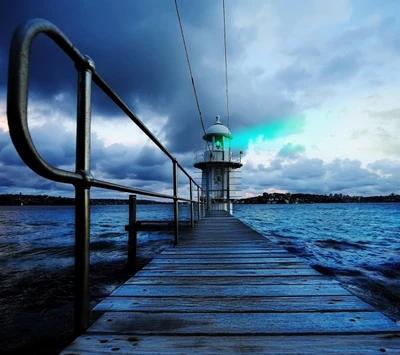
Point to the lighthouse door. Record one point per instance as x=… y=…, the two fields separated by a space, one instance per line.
x=217 y=184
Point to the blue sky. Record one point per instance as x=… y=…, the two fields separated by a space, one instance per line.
x=313 y=91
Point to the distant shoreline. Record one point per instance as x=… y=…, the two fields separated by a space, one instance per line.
x=265 y=198
x=45 y=200
x=279 y=198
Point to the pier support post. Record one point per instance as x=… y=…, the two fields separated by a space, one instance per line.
x=132 y=234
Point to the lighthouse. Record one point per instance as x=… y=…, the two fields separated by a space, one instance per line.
x=218 y=165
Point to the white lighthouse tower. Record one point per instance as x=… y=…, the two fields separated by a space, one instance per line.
x=218 y=165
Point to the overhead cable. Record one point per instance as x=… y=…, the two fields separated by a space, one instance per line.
x=226 y=64
x=191 y=73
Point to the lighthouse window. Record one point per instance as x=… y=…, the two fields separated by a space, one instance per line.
x=218 y=142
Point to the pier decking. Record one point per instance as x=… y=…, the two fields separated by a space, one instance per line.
x=226 y=289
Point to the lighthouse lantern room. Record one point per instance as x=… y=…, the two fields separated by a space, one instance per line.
x=218 y=166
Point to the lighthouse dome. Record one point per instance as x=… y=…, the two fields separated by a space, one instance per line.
x=217 y=129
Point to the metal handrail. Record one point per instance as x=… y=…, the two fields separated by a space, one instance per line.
x=82 y=179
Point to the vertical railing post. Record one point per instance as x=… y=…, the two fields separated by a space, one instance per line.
x=176 y=211
x=132 y=234
x=228 y=192
x=82 y=197
x=205 y=205
x=198 y=204
x=191 y=204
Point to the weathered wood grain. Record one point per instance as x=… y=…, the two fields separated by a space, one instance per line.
x=233 y=304
x=178 y=256
x=300 y=271
x=225 y=289
x=179 y=250
x=232 y=266
x=212 y=324
x=212 y=260
x=229 y=291
x=230 y=280
x=226 y=345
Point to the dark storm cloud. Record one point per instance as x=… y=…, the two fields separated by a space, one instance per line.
x=16 y=178
x=54 y=144
x=121 y=162
x=137 y=49
x=57 y=147
x=8 y=154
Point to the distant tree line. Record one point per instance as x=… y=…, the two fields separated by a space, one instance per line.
x=265 y=198
x=288 y=198
x=38 y=200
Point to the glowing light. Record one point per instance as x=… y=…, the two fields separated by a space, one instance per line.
x=275 y=129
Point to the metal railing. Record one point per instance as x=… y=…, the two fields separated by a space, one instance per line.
x=217 y=155
x=82 y=179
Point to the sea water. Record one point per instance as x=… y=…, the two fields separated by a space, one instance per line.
x=43 y=236
x=359 y=244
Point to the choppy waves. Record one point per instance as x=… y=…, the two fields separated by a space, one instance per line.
x=359 y=244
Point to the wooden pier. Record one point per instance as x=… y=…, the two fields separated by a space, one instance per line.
x=225 y=289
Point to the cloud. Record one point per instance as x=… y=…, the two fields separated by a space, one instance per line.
x=138 y=50
x=386 y=114
x=387 y=141
x=316 y=176
x=342 y=67
x=122 y=162
x=386 y=167
x=56 y=144
x=291 y=151
x=297 y=71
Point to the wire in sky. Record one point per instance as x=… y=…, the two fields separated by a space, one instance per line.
x=190 y=71
x=226 y=64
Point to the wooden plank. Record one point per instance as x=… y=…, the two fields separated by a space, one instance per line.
x=227 y=345
x=226 y=260
x=226 y=256
x=231 y=252
x=221 y=266
x=204 y=244
x=233 y=304
x=229 y=291
x=242 y=323
x=301 y=271
x=227 y=280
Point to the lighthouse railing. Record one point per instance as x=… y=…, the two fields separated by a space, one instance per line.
x=82 y=178
x=216 y=155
